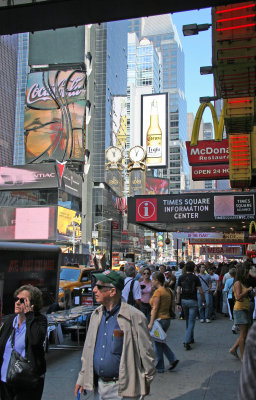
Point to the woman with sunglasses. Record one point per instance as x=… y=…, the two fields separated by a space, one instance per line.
x=146 y=292
x=26 y=329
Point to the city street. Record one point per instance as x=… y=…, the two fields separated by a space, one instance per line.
x=208 y=372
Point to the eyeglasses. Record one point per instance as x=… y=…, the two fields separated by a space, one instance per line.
x=21 y=299
x=99 y=287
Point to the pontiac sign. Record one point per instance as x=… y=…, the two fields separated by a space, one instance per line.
x=208 y=152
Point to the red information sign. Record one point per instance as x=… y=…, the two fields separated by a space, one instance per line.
x=208 y=152
x=208 y=172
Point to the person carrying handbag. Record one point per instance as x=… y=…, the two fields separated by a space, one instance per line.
x=161 y=304
x=21 y=341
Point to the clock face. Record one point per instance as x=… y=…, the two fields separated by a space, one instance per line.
x=137 y=153
x=113 y=154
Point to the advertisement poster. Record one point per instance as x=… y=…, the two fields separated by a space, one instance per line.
x=154 y=128
x=119 y=121
x=157 y=185
x=28 y=223
x=54 y=120
x=67 y=221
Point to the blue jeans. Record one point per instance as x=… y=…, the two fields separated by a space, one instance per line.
x=163 y=348
x=190 y=308
x=205 y=312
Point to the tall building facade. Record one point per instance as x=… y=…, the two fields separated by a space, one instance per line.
x=8 y=77
x=161 y=31
x=22 y=71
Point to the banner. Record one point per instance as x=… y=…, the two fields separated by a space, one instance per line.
x=209 y=172
x=201 y=207
x=199 y=235
x=223 y=250
x=157 y=185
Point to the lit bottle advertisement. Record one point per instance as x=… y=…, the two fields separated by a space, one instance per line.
x=154 y=128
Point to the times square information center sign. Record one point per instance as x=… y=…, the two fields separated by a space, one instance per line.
x=186 y=208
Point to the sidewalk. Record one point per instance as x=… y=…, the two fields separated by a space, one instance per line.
x=208 y=372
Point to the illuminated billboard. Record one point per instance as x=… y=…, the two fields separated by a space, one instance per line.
x=157 y=185
x=119 y=121
x=154 y=128
x=28 y=223
x=55 y=116
x=67 y=221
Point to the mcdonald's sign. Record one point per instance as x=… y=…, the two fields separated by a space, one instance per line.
x=252 y=227
x=208 y=152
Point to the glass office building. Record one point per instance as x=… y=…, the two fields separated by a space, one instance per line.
x=161 y=31
x=22 y=71
x=8 y=76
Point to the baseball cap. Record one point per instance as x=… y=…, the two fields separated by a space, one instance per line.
x=113 y=277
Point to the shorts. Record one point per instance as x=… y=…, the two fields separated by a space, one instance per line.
x=241 y=317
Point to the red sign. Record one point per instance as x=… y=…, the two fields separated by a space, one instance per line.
x=208 y=152
x=208 y=172
x=146 y=209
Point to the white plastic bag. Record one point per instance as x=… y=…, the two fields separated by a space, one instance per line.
x=157 y=332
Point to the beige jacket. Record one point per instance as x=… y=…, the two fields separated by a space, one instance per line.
x=137 y=360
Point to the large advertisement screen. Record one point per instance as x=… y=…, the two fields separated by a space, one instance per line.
x=186 y=208
x=55 y=116
x=28 y=223
x=119 y=121
x=154 y=128
x=157 y=185
x=69 y=221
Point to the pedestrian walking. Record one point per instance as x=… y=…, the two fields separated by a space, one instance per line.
x=241 y=309
x=161 y=304
x=213 y=291
x=146 y=292
x=205 y=310
x=188 y=285
x=132 y=291
x=118 y=356
x=247 y=387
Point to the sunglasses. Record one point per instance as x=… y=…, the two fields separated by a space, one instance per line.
x=146 y=273
x=21 y=299
x=103 y=286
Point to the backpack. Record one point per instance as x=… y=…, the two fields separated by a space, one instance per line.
x=131 y=299
x=188 y=287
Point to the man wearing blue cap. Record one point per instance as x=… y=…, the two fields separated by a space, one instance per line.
x=118 y=356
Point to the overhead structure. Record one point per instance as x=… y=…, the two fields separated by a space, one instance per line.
x=35 y=15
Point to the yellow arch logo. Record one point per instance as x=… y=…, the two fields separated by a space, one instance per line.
x=251 y=226
x=218 y=125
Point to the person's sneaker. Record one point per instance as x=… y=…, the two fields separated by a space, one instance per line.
x=208 y=321
x=202 y=320
x=187 y=346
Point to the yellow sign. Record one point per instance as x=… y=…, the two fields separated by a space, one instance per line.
x=251 y=226
x=66 y=219
x=218 y=125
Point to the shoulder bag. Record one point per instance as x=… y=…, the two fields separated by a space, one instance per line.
x=20 y=373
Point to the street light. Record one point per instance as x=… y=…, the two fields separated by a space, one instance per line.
x=194 y=29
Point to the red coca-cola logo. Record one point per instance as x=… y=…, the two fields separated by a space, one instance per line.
x=146 y=210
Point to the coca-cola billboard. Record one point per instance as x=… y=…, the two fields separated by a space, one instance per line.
x=208 y=172
x=54 y=120
x=208 y=152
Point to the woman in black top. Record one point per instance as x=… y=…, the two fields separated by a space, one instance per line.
x=30 y=331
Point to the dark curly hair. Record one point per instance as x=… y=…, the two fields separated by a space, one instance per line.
x=36 y=297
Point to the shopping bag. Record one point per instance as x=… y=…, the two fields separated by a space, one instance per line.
x=157 y=333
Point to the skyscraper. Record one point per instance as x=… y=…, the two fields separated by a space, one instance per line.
x=161 y=31
x=22 y=70
x=8 y=65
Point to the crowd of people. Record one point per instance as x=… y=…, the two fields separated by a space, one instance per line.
x=122 y=351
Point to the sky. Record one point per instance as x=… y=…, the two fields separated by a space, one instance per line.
x=198 y=53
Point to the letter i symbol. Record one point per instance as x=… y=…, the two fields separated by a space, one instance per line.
x=146 y=209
